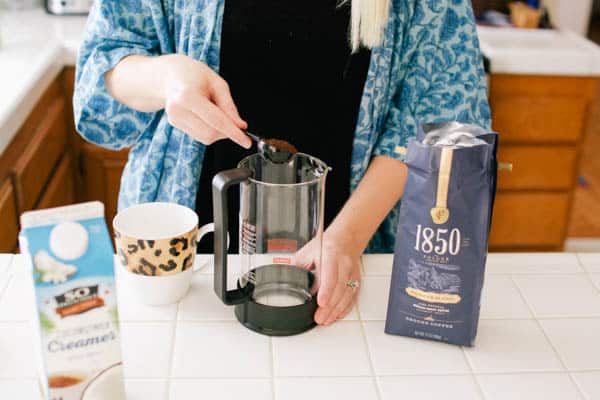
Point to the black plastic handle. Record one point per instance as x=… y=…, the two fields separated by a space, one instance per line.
x=220 y=185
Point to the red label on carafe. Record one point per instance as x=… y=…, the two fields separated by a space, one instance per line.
x=282 y=246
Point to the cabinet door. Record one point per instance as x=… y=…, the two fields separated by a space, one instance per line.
x=101 y=175
x=529 y=221
x=540 y=109
x=9 y=226
x=34 y=168
x=60 y=191
x=537 y=167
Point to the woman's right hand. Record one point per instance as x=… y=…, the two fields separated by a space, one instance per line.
x=198 y=101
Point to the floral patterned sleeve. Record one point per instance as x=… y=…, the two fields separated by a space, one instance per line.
x=115 y=29
x=440 y=69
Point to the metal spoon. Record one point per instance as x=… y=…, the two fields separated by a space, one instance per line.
x=274 y=150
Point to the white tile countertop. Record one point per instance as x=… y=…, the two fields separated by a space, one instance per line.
x=539 y=52
x=538 y=339
x=34 y=47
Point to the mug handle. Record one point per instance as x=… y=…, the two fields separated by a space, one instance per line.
x=203 y=231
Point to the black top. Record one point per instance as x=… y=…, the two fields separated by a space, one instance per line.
x=292 y=77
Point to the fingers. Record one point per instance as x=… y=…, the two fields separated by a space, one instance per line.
x=204 y=110
x=304 y=258
x=189 y=123
x=326 y=316
x=344 y=270
x=328 y=276
x=342 y=307
x=216 y=118
x=221 y=96
x=342 y=297
x=348 y=309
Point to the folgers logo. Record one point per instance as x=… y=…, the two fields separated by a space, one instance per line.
x=78 y=300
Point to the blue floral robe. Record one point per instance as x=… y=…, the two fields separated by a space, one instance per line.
x=428 y=69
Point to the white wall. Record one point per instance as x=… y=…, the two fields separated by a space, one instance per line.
x=572 y=15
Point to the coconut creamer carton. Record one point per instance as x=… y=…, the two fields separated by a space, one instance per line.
x=71 y=258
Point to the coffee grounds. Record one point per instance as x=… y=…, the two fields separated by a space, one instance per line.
x=282 y=145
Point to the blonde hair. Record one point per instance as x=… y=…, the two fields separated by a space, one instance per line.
x=368 y=21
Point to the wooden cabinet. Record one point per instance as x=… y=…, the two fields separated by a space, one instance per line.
x=541 y=121
x=9 y=225
x=101 y=172
x=36 y=169
x=529 y=220
x=36 y=165
x=538 y=167
x=61 y=188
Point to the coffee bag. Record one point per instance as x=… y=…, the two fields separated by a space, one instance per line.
x=442 y=240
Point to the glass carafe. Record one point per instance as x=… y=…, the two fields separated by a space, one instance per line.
x=281 y=231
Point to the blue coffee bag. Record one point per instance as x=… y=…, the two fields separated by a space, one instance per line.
x=442 y=240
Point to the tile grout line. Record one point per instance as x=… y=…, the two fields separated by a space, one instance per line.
x=588 y=273
x=591 y=278
x=579 y=388
x=172 y=357
x=479 y=386
x=397 y=375
x=272 y=367
x=374 y=377
x=473 y=374
x=9 y=276
x=217 y=321
x=535 y=318
x=554 y=349
x=360 y=321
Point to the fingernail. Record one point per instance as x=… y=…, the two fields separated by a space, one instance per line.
x=319 y=317
x=322 y=301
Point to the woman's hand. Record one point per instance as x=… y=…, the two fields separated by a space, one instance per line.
x=196 y=99
x=198 y=102
x=340 y=264
x=348 y=235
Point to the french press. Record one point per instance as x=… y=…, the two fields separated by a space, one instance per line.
x=280 y=241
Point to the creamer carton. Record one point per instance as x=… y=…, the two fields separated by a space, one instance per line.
x=71 y=259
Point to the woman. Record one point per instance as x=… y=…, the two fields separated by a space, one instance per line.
x=147 y=79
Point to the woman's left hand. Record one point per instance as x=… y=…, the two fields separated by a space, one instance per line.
x=340 y=264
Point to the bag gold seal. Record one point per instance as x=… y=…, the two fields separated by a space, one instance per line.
x=440 y=213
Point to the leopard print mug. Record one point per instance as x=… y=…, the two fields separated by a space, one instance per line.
x=156 y=244
x=157 y=239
